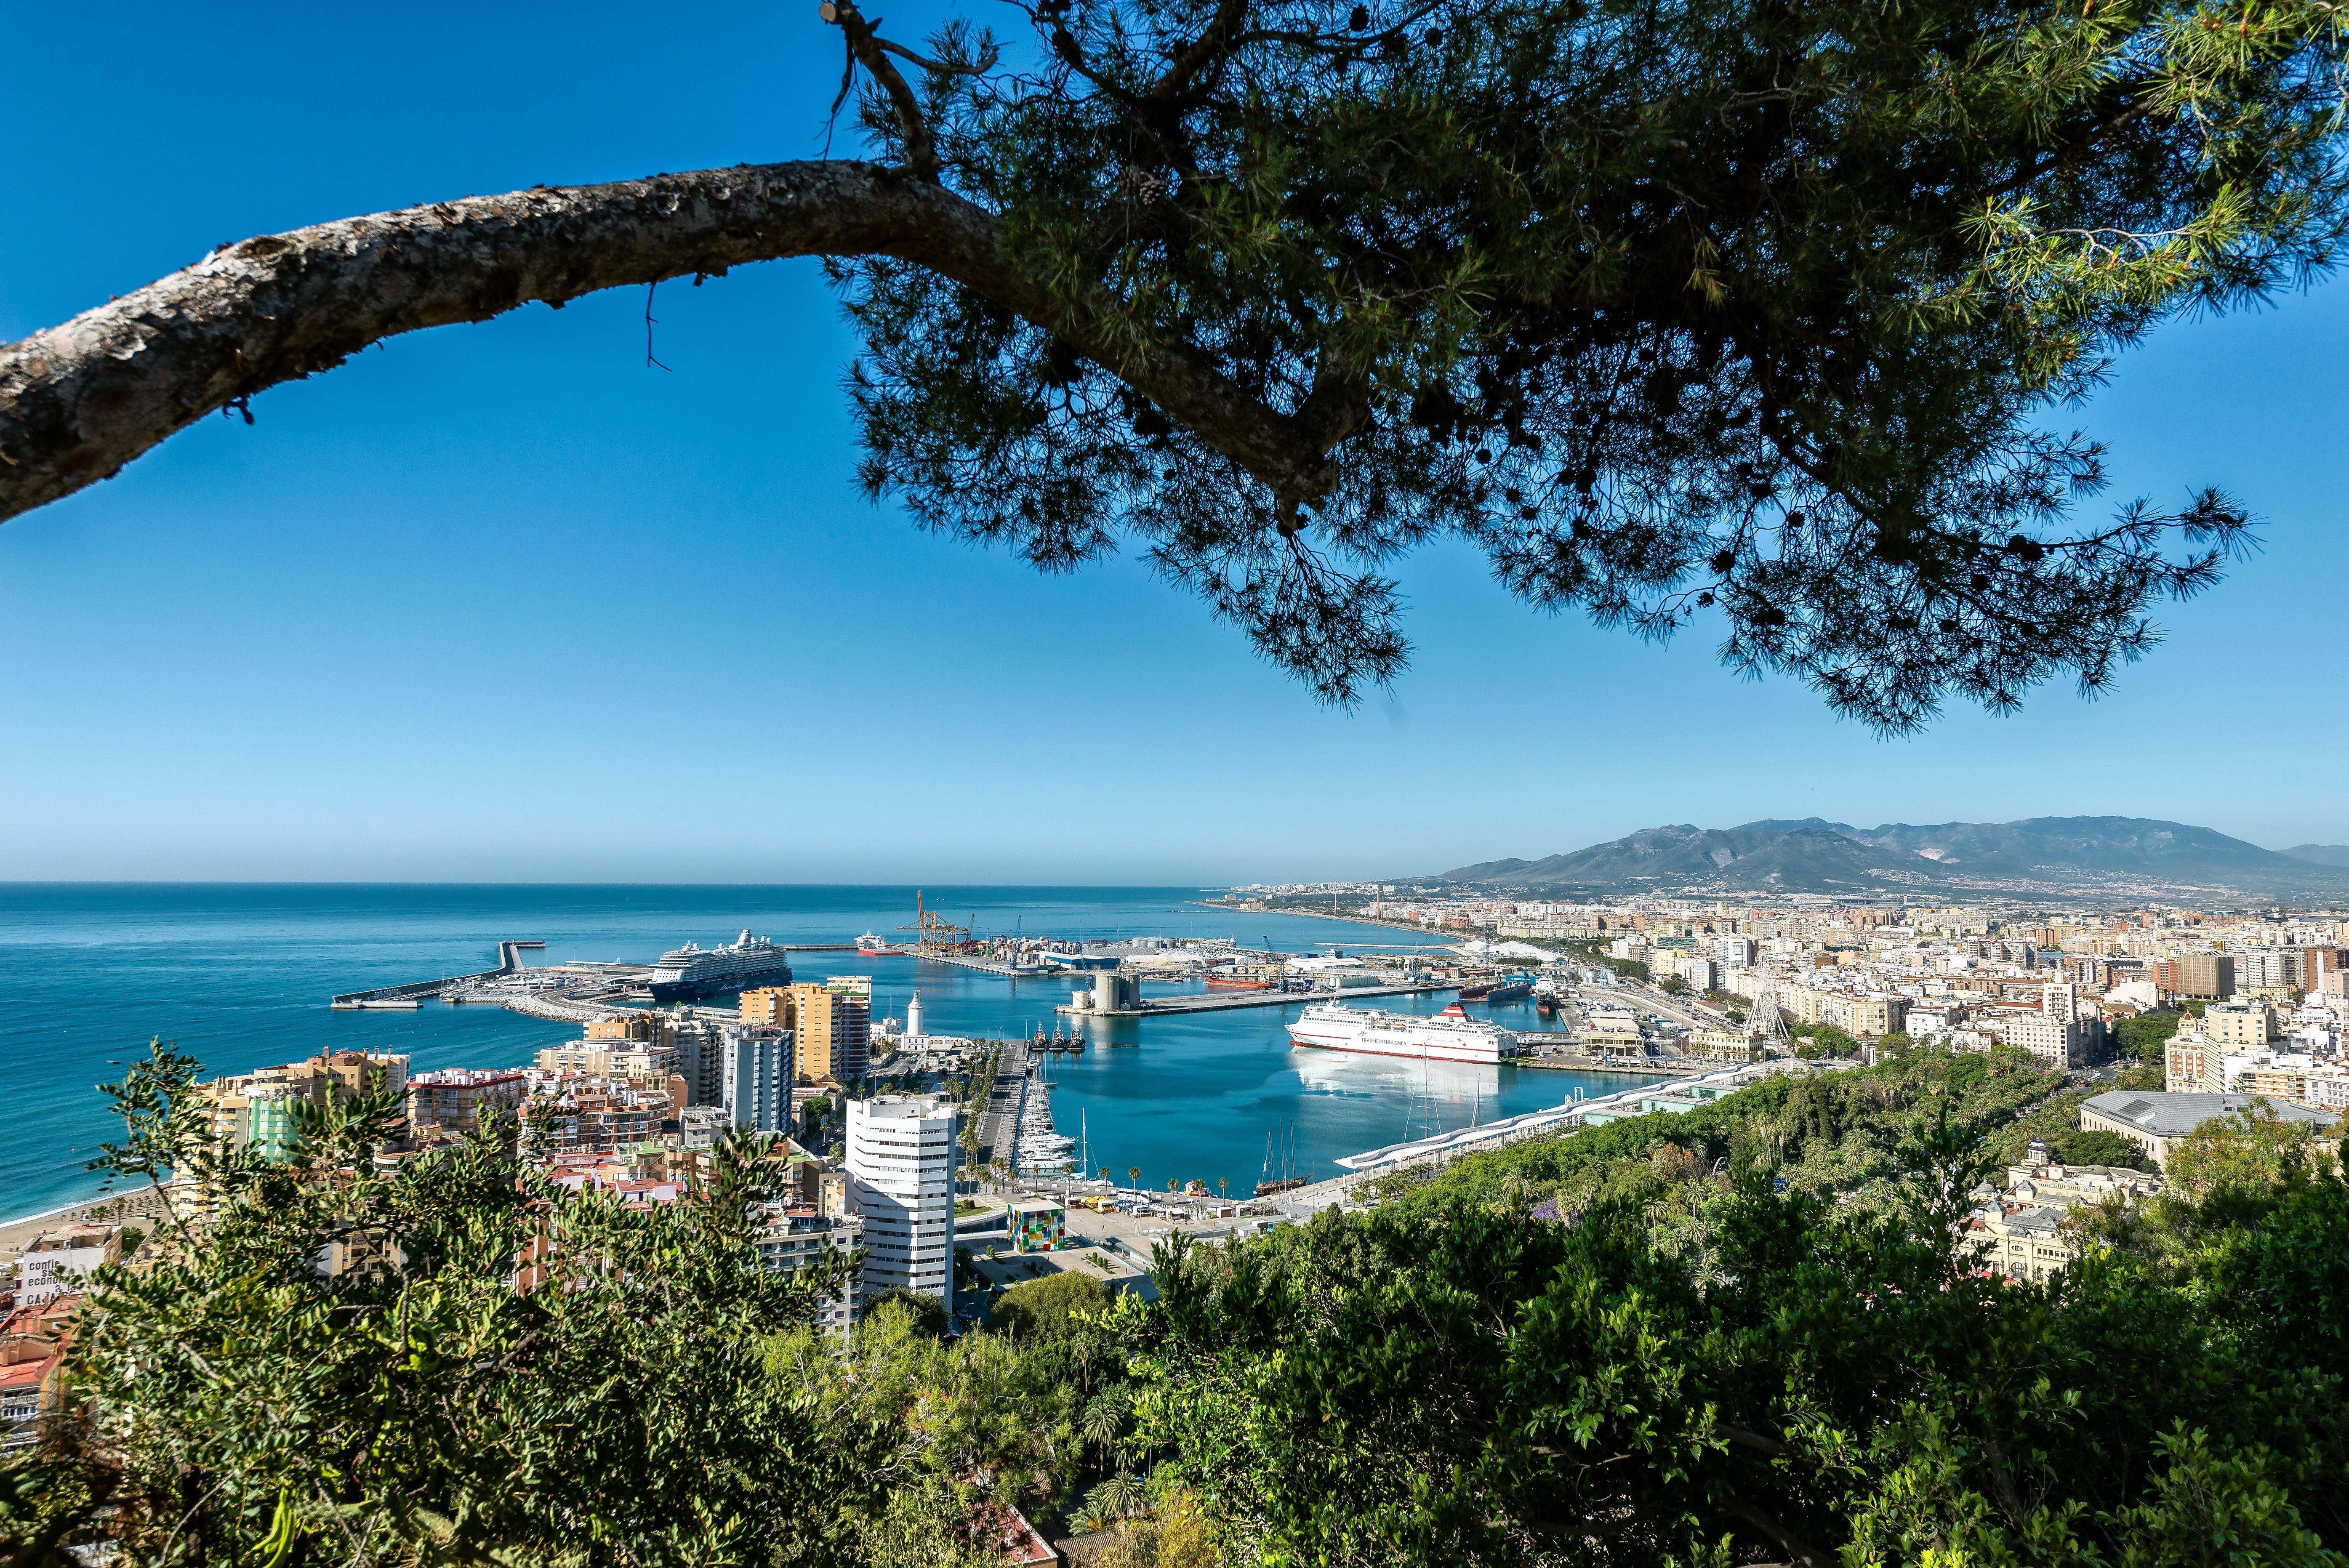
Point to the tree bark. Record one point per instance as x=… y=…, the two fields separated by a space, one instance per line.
x=79 y=401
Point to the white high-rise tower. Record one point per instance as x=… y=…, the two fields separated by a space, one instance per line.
x=901 y=1179
x=914 y=1017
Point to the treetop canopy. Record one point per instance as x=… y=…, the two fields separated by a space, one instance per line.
x=1761 y=309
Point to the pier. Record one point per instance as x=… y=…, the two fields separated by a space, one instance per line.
x=509 y=965
x=991 y=965
x=1210 y=1002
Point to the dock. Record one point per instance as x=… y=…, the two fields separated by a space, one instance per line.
x=992 y=965
x=1159 y=1007
x=508 y=964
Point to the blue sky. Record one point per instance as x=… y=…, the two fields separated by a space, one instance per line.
x=500 y=603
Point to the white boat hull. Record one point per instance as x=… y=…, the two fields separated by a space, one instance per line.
x=1410 y=1053
x=1448 y=1038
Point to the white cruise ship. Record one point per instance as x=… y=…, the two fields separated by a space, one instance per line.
x=1451 y=1035
x=691 y=971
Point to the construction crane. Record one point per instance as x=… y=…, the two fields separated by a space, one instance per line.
x=935 y=934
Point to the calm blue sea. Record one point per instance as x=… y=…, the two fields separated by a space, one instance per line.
x=240 y=974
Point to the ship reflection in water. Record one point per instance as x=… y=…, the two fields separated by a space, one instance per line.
x=1389 y=1079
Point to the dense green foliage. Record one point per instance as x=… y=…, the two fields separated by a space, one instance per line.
x=2143 y=1035
x=1711 y=1358
x=1826 y=1040
x=347 y=1360
x=1665 y=307
x=1834 y=1134
x=1465 y=1384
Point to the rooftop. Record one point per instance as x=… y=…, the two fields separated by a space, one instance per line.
x=2176 y=1115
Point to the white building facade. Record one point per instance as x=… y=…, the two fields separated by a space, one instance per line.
x=900 y=1180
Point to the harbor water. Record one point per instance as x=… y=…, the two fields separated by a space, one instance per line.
x=239 y=975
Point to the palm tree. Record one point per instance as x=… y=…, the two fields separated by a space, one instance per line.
x=1134 y=1175
x=1224 y=1186
x=1102 y=1422
x=1122 y=1496
x=1104 y=1172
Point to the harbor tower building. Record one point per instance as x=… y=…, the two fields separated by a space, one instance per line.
x=756 y=1079
x=900 y=1180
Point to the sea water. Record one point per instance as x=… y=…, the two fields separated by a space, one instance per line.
x=239 y=975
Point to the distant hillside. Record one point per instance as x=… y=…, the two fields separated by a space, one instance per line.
x=1788 y=856
x=1815 y=856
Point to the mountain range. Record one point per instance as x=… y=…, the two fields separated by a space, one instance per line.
x=2037 y=855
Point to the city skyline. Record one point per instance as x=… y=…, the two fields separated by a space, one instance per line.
x=505 y=603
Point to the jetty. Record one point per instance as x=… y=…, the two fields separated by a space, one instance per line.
x=1210 y=1002
x=991 y=965
x=510 y=964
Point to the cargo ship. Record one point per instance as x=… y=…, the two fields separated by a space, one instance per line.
x=1451 y=1035
x=1516 y=988
x=690 y=971
x=1236 y=983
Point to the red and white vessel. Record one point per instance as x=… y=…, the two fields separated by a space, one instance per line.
x=1451 y=1035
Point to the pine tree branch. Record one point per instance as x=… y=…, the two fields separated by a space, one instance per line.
x=873 y=54
x=79 y=401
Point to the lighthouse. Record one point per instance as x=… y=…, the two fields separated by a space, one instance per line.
x=914 y=1017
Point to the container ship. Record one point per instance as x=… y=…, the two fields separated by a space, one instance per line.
x=691 y=971
x=1451 y=1035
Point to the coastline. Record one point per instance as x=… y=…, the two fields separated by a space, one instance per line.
x=1414 y=927
x=117 y=1208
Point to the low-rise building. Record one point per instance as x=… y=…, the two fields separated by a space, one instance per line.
x=2239 y=1026
x=456 y=1098
x=1003 y=1270
x=1035 y=1225
x=61 y=1262
x=256 y=1110
x=1723 y=1045
x=597 y=1116
x=2027 y=1232
x=2062 y=1043
x=609 y=1059
x=34 y=1339
x=796 y=1237
x=2158 y=1122
x=2020 y=1240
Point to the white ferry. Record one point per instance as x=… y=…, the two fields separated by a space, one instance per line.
x=1451 y=1035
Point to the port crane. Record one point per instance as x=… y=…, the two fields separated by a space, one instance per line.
x=935 y=934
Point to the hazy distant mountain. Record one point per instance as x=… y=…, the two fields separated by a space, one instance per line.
x=1813 y=855
x=2321 y=854
x=1797 y=857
